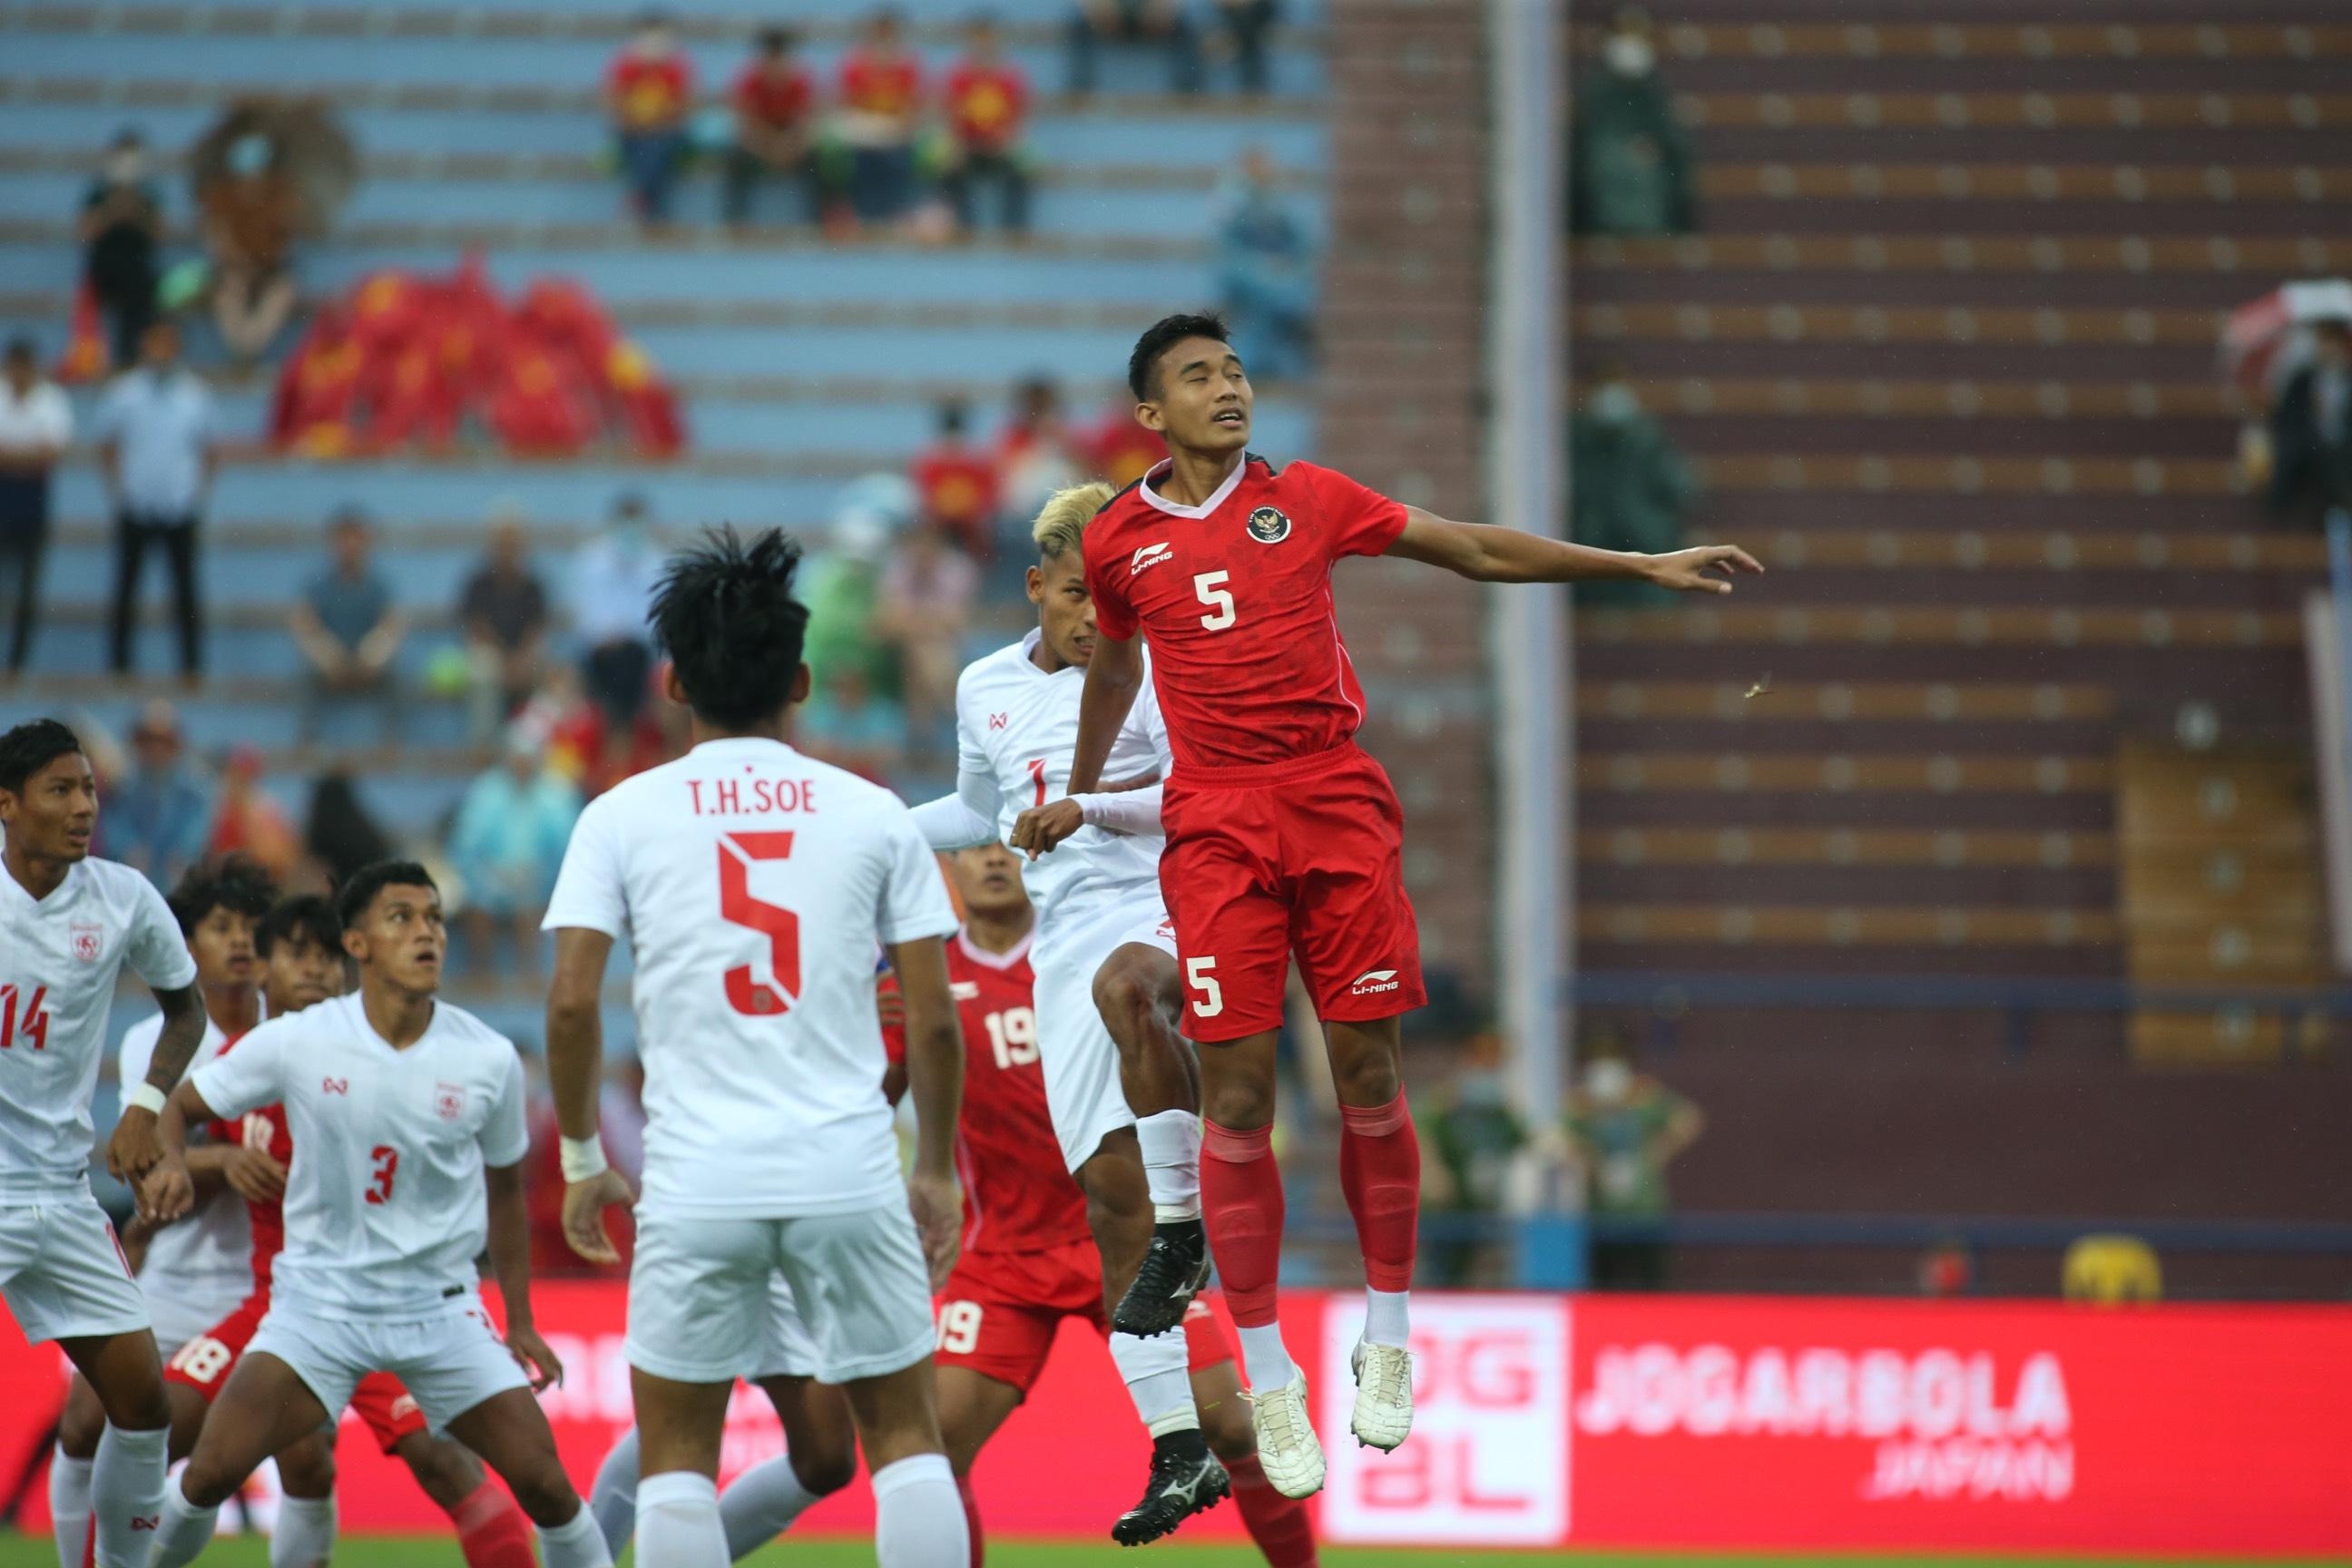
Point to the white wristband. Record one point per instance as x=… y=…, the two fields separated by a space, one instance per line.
x=581 y=1157
x=146 y=1098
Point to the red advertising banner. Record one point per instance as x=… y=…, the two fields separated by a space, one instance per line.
x=1706 y=1421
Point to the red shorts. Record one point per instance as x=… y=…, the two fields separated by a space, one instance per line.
x=1302 y=857
x=204 y=1365
x=1001 y=1310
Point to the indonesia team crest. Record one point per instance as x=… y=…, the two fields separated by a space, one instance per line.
x=448 y=1102
x=86 y=941
x=1268 y=526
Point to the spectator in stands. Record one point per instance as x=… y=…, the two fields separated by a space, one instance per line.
x=649 y=92
x=613 y=584
x=1625 y=1128
x=1119 y=449
x=848 y=725
x=881 y=93
x=156 y=451
x=1160 y=22
x=1035 y=453
x=2311 y=426
x=349 y=628
x=507 y=842
x=503 y=615
x=775 y=127
x=159 y=816
x=247 y=821
x=956 y=483
x=1265 y=274
x=1628 y=162
x=1477 y=1134
x=927 y=594
x=844 y=585
x=1632 y=488
x=987 y=104
x=342 y=835
x=122 y=227
x=35 y=428
x=251 y=211
x=1245 y=24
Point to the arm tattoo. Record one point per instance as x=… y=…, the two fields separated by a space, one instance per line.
x=183 y=1031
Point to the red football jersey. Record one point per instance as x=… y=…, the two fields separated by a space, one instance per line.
x=892 y=88
x=985 y=104
x=1234 y=597
x=267 y=1131
x=771 y=100
x=650 y=92
x=1017 y=1194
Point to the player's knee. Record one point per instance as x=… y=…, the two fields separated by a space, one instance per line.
x=824 y=1469
x=83 y=1425
x=445 y=1472
x=544 y=1493
x=207 y=1482
x=1242 y=1104
x=1226 y=1425
x=1367 y=1077
x=1126 y=1001
x=307 y=1470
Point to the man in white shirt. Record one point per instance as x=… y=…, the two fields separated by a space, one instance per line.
x=68 y=924
x=196 y=1270
x=35 y=428
x=408 y=1117
x=754 y=885
x=1120 y=1083
x=157 y=448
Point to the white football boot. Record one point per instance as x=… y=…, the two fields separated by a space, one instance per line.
x=1383 y=1416
x=1287 y=1449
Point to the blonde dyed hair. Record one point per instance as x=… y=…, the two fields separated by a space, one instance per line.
x=1061 y=523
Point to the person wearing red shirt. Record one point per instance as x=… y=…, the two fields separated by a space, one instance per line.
x=881 y=103
x=1028 y=1259
x=956 y=484
x=649 y=91
x=775 y=117
x=987 y=103
x=1285 y=838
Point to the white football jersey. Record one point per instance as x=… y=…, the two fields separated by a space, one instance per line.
x=752 y=883
x=1020 y=724
x=58 y=960
x=207 y=1253
x=385 y=1205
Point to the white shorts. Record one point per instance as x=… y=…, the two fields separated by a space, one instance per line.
x=786 y=1348
x=1075 y=1049
x=181 y=1310
x=703 y=1306
x=451 y=1359
x=62 y=1273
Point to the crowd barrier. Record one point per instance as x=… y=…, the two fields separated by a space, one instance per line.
x=1638 y=1421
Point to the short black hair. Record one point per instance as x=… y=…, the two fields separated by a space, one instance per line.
x=360 y=888
x=236 y=884
x=777 y=40
x=1143 y=365
x=724 y=611
x=954 y=417
x=21 y=346
x=30 y=747
x=305 y=917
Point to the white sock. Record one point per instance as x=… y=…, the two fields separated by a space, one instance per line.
x=677 y=1522
x=760 y=1504
x=1171 y=1164
x=1266 y=1358
x=69 y=1507
x=918 y=1518
x=1386 y=1322
x=126 y=1484
x=576 y=1543
x=186 y=1530
x=1154 y=1372
x=305 y=1536
x=613 y=1499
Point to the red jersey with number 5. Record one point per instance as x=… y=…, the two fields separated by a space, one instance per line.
x=1017 y=1194
x=1234 y=596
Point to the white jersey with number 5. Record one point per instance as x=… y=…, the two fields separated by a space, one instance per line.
x=1020 y=725
x=58 y=960
x=752 y=883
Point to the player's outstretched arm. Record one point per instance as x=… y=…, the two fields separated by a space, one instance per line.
x=1487 y=555
x=135 y=1148
x=509 y=1250
x=1114 y=677
x=935 y=1077
x=575 y=1071
x=168 y=1192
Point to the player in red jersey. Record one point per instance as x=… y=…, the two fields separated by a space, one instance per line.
x=1029 y=1258
x=1283 y=838
x=301 y=944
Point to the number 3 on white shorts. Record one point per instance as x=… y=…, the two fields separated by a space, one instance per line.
x=1208 y=589
x=1200 y=974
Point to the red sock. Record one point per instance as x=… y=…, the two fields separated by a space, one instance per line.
x=972 y=1516
x=1281 y=1526
x=1241 y=1200
x=491 y=1530
x=90 y=1544
x=1380 y=1172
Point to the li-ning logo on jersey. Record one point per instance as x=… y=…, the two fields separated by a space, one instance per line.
x=1375 y=980
x=448 y=1102
x=1268 y=526
x=963 y=990
x=87 y=939
x=342 y=1086
x=1150 y=556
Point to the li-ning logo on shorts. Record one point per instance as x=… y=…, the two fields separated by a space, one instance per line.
x=1268 y=526
x=1150 y=556
x=1373 y=981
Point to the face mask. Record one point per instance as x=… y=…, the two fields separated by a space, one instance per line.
x=1615 y=404
x=1608 y=1080
x=1629 y=55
